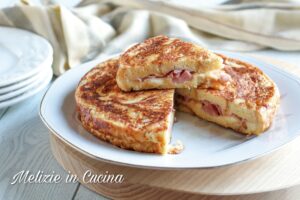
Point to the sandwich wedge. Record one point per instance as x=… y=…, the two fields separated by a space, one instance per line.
x=163 y=63
x=139 y=121
x=247 y=102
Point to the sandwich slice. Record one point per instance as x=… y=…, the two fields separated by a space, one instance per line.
x=164 y=63
x=139 y=121
x=247 y=102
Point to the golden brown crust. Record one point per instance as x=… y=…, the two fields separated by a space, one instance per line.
x=158 y=57
x=165 y=49
x=105 y=131
x=111 y=114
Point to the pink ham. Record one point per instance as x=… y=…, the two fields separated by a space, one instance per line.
x=177 y=75
x=211 y=109
x=180 y=75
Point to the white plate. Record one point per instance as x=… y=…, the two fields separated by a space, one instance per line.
x=22 y=55
x=41 y=78
x=41 y=85
x=206 y=145
x=19 y=84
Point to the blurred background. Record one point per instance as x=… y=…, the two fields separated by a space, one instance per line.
x=80 y=31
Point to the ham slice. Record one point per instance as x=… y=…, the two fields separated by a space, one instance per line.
x=211 y=108
x=177 y=75
x=180 y=75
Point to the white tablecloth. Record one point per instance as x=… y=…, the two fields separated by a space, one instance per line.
x=99 y=27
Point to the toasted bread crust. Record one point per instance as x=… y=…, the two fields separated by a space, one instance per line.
x=248 y=103
x=158 y=56
x=118 y=136
x=133 y=120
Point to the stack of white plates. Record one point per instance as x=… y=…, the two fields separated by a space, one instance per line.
x=25 y=65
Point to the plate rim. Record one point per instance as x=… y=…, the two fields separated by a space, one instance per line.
x=27 y=94
x=15 y=93
x=19 y=84
x=268 y=65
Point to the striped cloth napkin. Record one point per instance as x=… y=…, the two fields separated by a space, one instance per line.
x=96 y=28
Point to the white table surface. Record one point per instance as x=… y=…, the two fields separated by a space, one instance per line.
x=24 y=145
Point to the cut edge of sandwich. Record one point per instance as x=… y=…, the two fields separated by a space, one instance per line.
x=238 y=114
x=233 y=119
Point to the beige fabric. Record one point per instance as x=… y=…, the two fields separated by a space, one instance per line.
x=100 y=27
